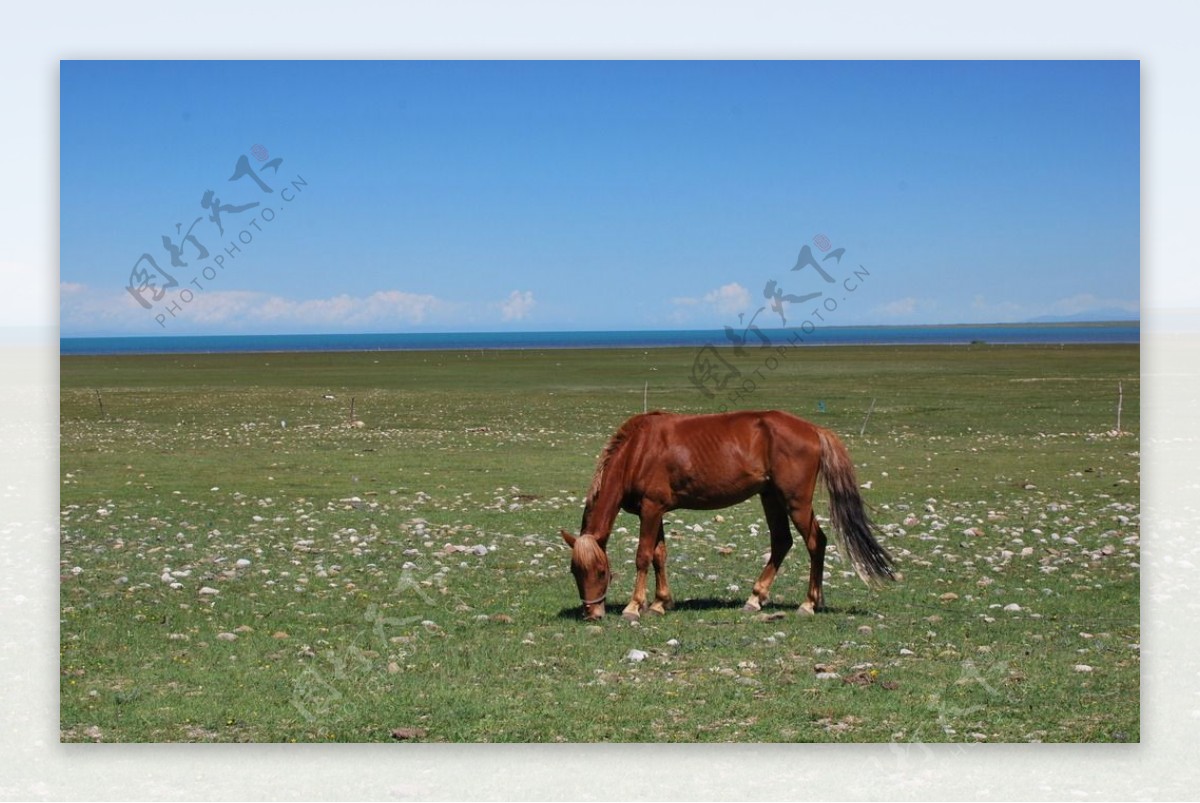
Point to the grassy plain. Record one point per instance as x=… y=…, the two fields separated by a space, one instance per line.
x=238 y=564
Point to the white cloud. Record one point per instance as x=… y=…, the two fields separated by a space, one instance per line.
x=382 y=307
x=83 y=309
x=909 y=309
x=518 y=305
x=1079 y=305
x=1088 y=302
x=729 y=299
x=726 y=301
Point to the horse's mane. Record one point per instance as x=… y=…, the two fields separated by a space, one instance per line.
x=588 y=554
x=619 y=439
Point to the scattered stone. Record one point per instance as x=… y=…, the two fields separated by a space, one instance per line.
x=636 y=656
x=828 y=676
x=279 y=634
x=863 y=677
x=770 y=617
x=673 y=642
x=403 y=734
x=1012 y=607
x=949 y=596
x=207 y=591
x=906 y=651
x=227 y=636
x=1082 y=668
x=242 y=563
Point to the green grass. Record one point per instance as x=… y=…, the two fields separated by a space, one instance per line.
x=992 y=472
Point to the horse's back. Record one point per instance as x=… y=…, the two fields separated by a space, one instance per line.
x=715 y=459
x=738 y=424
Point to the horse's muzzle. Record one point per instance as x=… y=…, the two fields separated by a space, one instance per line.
x=593 y=612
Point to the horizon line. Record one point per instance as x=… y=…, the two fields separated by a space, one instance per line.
x=514 y=332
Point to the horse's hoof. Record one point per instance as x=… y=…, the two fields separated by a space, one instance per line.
x=752 y=606
x=631 y=616
x=657 y=608
x=806 y=610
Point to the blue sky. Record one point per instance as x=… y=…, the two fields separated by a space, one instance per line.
x=442 y=196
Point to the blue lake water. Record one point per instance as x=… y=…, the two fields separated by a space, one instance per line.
x=1052 y=333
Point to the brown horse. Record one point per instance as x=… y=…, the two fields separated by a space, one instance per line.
x=657 y=462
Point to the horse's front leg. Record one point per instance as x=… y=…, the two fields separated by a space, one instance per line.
x=662 y=591
x=647 y=541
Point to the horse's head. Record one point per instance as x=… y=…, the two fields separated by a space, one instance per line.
x=589 y=564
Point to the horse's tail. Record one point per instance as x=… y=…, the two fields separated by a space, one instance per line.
x=848 y=515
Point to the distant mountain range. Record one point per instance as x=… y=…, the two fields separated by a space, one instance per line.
x=1087 y=317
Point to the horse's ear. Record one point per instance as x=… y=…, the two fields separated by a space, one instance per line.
x=566 y=536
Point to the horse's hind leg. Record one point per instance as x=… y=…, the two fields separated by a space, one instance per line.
x=781 y=542
x=814 y=539
x=662 y=592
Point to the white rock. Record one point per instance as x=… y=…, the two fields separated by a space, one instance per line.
x=1082 y=668
x=242 y=563
x=827 y=676
x=906 y=651
x=636 y=656
x=673 y=642
x=208 y=590
x=1012 y=607
x=479 y=549
x=227 y=636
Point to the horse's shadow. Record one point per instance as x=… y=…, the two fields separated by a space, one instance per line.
x=717 y=604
